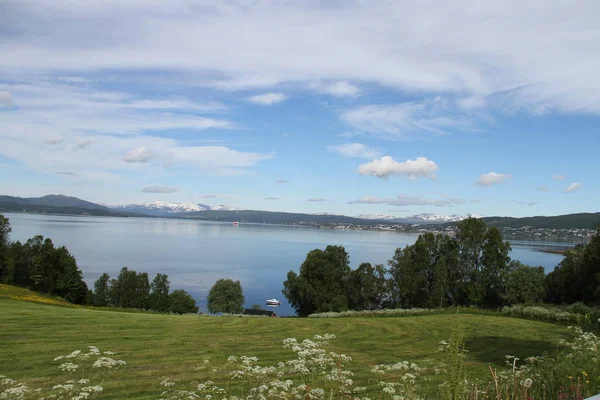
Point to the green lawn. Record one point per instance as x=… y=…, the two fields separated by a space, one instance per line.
x=155 y=345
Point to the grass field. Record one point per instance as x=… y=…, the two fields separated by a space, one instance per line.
x=33 y=332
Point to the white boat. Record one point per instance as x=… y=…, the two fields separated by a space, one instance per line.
x=272 y=302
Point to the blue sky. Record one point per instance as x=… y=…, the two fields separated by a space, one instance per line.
x=402 y=108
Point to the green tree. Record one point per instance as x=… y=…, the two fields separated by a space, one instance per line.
x=367 y=287
x=41 y=272
x=21 y=260
x=470 y=239
x=226 y=296
x=130 y=289
x=577 y=277
x=565 y=283
x=69 y=283
x=439 y=296
x=101 y=291
x=181 y=302
x=159 y=293
x=256 y=307
x=495 y=265
x=416 y=274
x=6 y=261
x=524 y=284
x=407 y=276
x=591 y=269
x=321 y=284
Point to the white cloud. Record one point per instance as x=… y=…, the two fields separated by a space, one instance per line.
x=486 y=52
x=84 y=143
x=282 y=181
x=54 y=140
x=405 y=119
x=341 y=89
x=99 y=128
x=491 y=178
x=403 y=201
x=472 y=103
x=543 y=188
x=268 y=99
x=530 y=203
x=160 y=189
x=5 y=98
x=386 y=166
x=355 y=150
x=139 y=155
x=271 y=198
x=572 y=187
x=315 y=200
x=559 y=176
x=58 y=107
x=208 y=196
x=74 y=80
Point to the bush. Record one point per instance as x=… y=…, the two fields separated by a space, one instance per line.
x=181 y=302
x=545 y=313
x=397 y=312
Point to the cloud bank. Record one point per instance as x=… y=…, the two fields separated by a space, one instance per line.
x=403 y=201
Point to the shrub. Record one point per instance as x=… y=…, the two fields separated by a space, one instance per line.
x=397 y=312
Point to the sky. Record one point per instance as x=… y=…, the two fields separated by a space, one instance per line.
x=349 y=107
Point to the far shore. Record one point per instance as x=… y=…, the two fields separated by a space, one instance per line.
x=555 y=251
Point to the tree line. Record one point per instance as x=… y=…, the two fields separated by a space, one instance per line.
x=473 y=268
x=133 y=289
x=38 y=265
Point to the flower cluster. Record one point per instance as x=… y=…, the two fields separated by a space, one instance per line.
x=73 y=389
x=546 y=314
x=395 y=312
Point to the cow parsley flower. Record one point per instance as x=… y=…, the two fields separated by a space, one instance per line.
x=68 y=367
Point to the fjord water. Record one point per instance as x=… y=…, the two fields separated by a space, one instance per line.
x=196 y=253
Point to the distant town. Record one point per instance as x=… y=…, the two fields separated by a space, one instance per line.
x=576 y=235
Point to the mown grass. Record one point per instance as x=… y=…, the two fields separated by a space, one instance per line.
x=158 y=345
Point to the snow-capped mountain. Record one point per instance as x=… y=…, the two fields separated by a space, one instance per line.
x=324 y=213
x=164 y=208
x=438 y=218
x=220 y=207
x=376 y=216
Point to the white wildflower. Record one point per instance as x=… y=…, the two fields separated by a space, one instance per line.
x=68 y=366
x=527 y=383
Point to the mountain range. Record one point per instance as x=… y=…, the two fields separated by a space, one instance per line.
x=59 y=204
x=161 y=208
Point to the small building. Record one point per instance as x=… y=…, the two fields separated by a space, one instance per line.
x=266 y=313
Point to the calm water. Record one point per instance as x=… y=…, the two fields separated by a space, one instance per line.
x=195 y=254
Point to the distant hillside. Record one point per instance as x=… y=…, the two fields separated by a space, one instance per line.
x=59 y=204
x=568 y=221
x=43 y=209
x=53 y=200
x=275 y=217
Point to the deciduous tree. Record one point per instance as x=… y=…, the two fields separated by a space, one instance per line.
x=226 y=296
x=181 y=302
x=321 y=284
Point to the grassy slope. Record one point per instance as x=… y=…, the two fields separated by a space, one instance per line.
x=32 y=334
